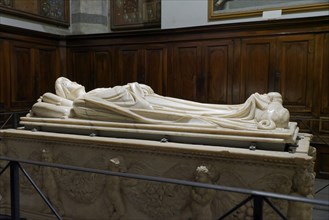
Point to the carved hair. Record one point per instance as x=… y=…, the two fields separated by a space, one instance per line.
x=302 y=178
x=202 y=169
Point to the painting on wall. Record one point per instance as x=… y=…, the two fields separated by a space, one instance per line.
x=228 y=9
x=135 y=14
x=48 y=11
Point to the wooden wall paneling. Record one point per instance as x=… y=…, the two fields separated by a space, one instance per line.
x=6 y=70
x=2 y=77
x=3 y=83
x=218 y=67
x=237 y=72
x=155 y=68
x=62 y=52
x=103 y=68
x=23 y=80
x=170 y=81
x=325 y=77
x=322 y=161
x=69 y=54
x=257 y=60
x=324 y=97
x=188 y=76
x=317 y=70
x=295 y=63
x=48 y=69
x=320 y=106
x=82 y=68
x=128 y=65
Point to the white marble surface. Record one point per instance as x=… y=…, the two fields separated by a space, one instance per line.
x=86 y=196
x=135 y=111
x=137 y=103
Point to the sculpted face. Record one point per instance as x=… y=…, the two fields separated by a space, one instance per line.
x=67 y=89
x=202 y=177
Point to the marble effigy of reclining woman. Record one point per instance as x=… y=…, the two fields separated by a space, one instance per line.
x=137 y=103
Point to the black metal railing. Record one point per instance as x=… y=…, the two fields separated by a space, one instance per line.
x=10 y=119
x=258 y=197
x=301 y=121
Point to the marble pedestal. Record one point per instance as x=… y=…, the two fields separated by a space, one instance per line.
x=82 y=196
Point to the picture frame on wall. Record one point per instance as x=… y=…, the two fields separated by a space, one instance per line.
x=56 y=12
x=231 y=9
x=135 y=14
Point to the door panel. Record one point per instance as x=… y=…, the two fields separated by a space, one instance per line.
x=257 y=57
x=128 y=65
x=103 y=68
x=295 y=58
x=48 y=70
x=218 y=66
x=325 y=77
x=82 y=69
x=187 y=77
x=154 y=68
x=23 y=80
x=3 y=85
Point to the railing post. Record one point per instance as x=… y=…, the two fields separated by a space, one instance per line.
x=15 y=123
x=14 y=190
x=258 y=207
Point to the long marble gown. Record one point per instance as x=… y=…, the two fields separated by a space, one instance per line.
x=137 y=103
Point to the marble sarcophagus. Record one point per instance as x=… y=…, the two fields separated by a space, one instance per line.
x=131 y=129
x=79 y=195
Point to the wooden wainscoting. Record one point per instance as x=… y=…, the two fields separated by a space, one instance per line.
x=30 y=64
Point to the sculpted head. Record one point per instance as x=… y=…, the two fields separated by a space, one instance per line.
x=117 y=164
x=202 y=174
x=67 y=89
x=303 y=182
x=274 y=115
x=275 y=97
x=46 y=155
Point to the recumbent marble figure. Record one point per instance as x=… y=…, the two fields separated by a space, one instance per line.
x=137 y=103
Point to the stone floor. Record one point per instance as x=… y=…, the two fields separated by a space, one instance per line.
x=321 y=189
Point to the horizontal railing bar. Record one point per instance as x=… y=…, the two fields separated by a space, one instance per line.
x=9 y=113
x=172 y=181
